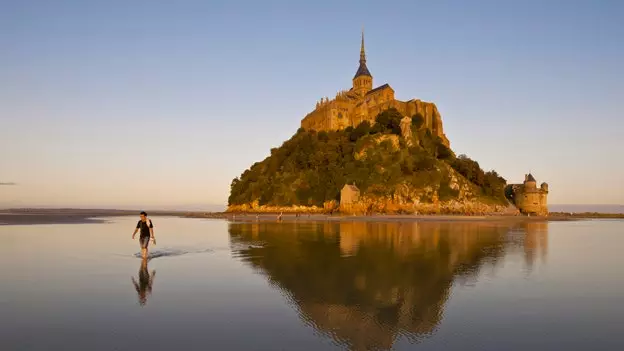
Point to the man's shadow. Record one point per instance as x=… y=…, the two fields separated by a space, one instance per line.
x=144 y=286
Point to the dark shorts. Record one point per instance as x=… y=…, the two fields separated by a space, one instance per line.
x=144 y=241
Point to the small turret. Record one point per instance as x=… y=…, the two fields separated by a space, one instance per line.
x=530 y=182
x=544 y=187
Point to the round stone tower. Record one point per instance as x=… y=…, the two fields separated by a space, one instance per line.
x=529 y=198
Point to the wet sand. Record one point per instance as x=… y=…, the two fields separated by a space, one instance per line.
x=25 y=219
x=266 y=217
x=76 y=216
x=66 y=216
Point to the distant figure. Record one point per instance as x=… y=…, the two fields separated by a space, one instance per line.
x=279 y=217
x=144 y=286
x=147 y=232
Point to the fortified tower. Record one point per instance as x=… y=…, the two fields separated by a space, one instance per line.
x=527 y=197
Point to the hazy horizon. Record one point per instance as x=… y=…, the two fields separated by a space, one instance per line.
x=162 y=104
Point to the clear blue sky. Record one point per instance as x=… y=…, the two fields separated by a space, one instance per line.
x=162 y=103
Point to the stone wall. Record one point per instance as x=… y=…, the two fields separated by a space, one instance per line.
x=343 y=112
x=348 y=196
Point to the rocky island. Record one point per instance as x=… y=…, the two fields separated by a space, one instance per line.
x=366 y=152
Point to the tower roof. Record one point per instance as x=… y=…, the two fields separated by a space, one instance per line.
x=362 y=70
x=530 y=178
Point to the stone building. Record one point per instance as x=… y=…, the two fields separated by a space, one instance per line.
x=363 y=103
x=527 y=197
x=349 y=194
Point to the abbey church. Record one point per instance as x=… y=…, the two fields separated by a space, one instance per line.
x=363 y=103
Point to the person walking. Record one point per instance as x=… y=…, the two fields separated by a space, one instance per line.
x=147 y=232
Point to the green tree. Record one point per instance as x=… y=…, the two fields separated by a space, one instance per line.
x=418 y=120
x=390 y=121
x=361 y=130
x=311 y=167
x=444 y=153
x=376 y=128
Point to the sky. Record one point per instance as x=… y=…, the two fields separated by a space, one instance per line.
x=160 y=104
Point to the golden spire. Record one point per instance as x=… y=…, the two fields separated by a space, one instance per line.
x=362 y=54
x=362 y=69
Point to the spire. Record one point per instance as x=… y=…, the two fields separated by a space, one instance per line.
x=362 y=70
x=362 y=53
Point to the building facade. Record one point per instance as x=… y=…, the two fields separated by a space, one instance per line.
x=363 y=103
x=349 y=195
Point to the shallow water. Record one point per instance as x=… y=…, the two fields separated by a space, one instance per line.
x=210 y=284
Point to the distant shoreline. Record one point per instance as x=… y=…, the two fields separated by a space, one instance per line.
x=77 y=216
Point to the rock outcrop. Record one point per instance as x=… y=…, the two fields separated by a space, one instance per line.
x=398 y=165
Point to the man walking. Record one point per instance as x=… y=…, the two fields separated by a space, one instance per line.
x=147 y=232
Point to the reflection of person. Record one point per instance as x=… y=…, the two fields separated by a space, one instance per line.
x=147 y=232
x=144 y=286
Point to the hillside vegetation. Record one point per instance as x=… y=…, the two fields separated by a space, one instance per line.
x=311 y=168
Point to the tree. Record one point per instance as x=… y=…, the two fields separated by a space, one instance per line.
x=443 y=152
x=376 y=128
x=418 y=120
x=361 y=130
x=323 y=136
x=390 y=121
x=311 y=167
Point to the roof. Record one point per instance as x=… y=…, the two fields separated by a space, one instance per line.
x=351 y=187
x=530 y=178
x=362 y=71
x=381 y=87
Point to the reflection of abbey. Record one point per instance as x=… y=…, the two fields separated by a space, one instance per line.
x=363 y=103
x=368 y=284
x=527 y=197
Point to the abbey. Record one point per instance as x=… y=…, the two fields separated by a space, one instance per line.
x=363 y=103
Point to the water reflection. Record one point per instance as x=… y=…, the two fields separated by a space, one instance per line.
x=364 y=284
x=145 y=283
x=531 y=239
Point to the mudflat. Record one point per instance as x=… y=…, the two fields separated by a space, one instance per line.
x=59 y=216
x=67 y=216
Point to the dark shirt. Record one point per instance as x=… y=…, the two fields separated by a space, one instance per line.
x=145 y=226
